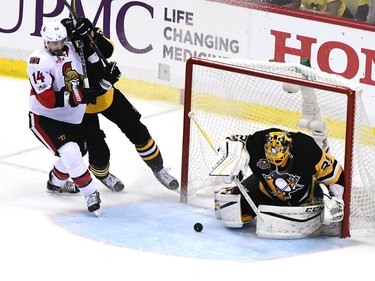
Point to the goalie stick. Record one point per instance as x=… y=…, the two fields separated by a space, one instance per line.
x=72 y=10
x=236 y=180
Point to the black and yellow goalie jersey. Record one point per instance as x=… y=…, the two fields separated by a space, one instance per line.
x=293 y=183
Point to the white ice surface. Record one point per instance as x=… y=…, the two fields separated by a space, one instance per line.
x=33 y=246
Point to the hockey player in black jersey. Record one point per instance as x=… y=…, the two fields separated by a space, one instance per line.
x=115 y=107
x=286 y=167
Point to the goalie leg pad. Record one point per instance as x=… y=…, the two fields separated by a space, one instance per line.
x=286 y=222
x=310 y=109
x=290 y=88
x=317 y=125
x=312 y=119
x=310 y=113
x=320 y=138
x=228 y=208
x=333 y=229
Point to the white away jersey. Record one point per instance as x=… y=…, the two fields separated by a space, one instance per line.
x=47 y=71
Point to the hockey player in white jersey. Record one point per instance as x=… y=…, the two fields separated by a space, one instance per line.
x=57 y=104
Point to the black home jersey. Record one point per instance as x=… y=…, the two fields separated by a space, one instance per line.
x=293 y=183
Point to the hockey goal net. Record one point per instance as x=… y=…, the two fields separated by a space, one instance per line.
x=232 y=96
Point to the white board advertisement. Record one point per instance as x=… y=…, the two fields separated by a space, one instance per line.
x=153 y=39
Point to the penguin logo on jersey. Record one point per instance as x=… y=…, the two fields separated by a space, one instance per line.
x=282 y=185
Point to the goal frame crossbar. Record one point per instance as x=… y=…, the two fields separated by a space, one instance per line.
x=350 y=93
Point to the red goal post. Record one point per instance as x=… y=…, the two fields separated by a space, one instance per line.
x=235 y=96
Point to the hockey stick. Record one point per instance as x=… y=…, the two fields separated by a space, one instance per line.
x=76 y=18
x=79 y=43
x=236 y=180
x=203 y=132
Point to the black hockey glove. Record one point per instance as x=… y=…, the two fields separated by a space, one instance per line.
x=112 y=72
x=69 y=25
x=83 y=27
x=78 y=31
x=89 y=95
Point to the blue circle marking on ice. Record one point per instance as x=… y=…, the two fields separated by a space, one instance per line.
x=167 y=228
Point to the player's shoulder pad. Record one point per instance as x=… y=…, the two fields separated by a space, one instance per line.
x=40 y=59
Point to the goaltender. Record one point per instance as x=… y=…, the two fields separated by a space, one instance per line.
x=287 y=168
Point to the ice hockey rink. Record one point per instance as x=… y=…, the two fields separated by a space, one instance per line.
x=144 y=232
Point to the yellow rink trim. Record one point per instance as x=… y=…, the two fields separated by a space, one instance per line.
x=13 y=68
x=213 y=104
x=130 y=87
x=249 y=112
x=149 y=91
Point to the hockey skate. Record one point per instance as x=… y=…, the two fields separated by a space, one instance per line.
x=68 y=187
x=113 y=183
x=166 y=179
x=93 y=201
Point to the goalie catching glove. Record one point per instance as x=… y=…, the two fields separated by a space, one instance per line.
x=333 y=205
x=233 y=159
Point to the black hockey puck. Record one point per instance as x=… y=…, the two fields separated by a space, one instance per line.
x=198 y=227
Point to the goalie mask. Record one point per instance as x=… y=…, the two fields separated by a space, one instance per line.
x=277 y=146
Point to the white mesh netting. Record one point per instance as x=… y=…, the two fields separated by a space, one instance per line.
x=226 y=102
